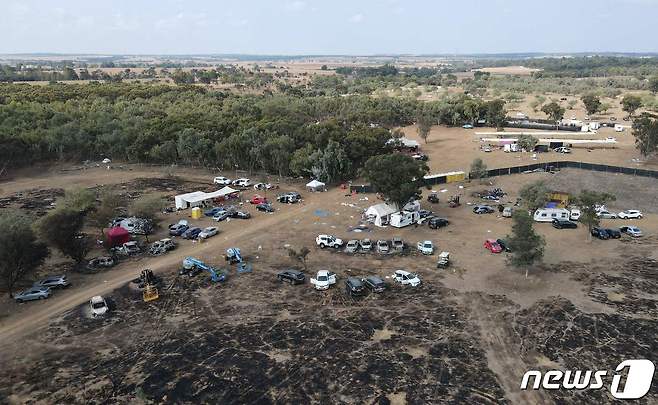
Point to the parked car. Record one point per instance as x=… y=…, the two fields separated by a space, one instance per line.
x=323 y=280
x=178 y=229
x=33 y=293
x=213 y=211
x=352 y=246
x=397 y=243
x=328 y=241
x=366 y=245
x=129 y=249
x=467 y=126
x=208 y=232
x=265 y=207
x=221 y=215
x=258 y=199
x=382 y=246
x=483 y=209
x=562 y=149
x=162 y=246
x=503 y=245
x=508 y=212
x=291 y=276
x=420 y=156
x=374 y=284
x=53 y=282
x=575 y=214
x=192 y=233
x=437 y=222
x=289 y=197
x=606 y=214
x=600 y=233
x=630 y=214
x=425 y=247
x=633 y=231
x=222 y=181
x=406 y=278
x=243 y=182
x=240 y=215
x=433 y=198
x=98 y=306
x=262 y=186
x=424 y=213
x=492 y=246
x=100 y=262
x=564 y=224
x=613 y=233
x=354 y=287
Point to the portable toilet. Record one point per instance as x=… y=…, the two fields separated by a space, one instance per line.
x=196 y=213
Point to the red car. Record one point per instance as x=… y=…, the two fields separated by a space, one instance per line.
x=257 y=199
x=492 y=246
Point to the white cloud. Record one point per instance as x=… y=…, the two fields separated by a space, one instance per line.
x=356 y=18
x=296 y=5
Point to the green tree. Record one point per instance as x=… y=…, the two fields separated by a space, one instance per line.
x=527 y=142
x=106 y=211
x=495 y=113
x=20 y=251
x=534 y=195
x=397 y=177
x=630 y=103
x=478 y=169
x=554 y=111
x=653 y=84
x=588 y=201
x=300 y=162
x=592 y=103
x=148 y=207
x=424 y=122
x=527 y=247
x=80 y=199
x=62 y=229
x=645 y=131
x=331 y=164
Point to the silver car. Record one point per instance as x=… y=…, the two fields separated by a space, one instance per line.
x=34 y=293
x=53 y=282
x=382 y=246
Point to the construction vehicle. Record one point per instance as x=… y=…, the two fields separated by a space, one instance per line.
x=233 y=256
x=454 y=201
x=190 y=263
x=150 y=292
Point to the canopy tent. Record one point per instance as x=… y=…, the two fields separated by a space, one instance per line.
x=315 y=185
x=380 y=214
x=197 y=198
x=117 y=236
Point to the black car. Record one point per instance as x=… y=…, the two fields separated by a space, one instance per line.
x=374 y=284
x=613 y=233
x=437 y=222
x=564 y=224
x=424 y=213
x=433 y=198
x=503 y=245
x=240 y=215
x=265 y=207
x=600 y=233
x=192 y=233
x=291 y=276
x=354 y=287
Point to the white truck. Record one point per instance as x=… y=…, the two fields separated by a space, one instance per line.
x=324 y=280
x=328 y=241
x=425 y=247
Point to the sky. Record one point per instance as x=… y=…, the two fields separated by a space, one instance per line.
x=327 y=27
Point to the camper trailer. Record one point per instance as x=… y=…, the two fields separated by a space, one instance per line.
x=511 y=147
x=549 y=214
x=404 y=218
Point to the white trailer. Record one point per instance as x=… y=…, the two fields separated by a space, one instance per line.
x=549 y=214
x=404 y=218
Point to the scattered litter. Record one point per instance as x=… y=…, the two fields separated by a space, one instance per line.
x=443 y=190
x=320 y=213
x=363 y=199
x=461 y=186
x=488 y=231
x=259 y=248
x=287 y=245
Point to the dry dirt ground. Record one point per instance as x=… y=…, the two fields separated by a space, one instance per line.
x=466 y=335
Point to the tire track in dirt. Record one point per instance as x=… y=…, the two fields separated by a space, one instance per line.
x=502 y=349
x=28 y=322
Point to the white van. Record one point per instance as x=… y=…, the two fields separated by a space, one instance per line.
x=549 y=214
x=404 y=218
x=575 y=214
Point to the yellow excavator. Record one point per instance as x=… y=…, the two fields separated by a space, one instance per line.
x=150 y=292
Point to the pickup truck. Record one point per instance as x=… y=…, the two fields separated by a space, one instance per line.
x=328 y=241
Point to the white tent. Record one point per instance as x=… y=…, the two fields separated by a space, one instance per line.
x=197 y=198
x=315 y=185
x=406 y=142
x=380 y=214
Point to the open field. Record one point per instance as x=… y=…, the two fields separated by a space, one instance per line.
x=466 y=335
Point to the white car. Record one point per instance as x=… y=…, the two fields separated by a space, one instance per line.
x=222 y=181
x=382 y=246
x=328 y=241
x=323 y=280
x=425 y=247
x=208 y=232
x=98 y=306
x=241 y=182
x=575 y=214
x=630 y=214
x=606 y=214
x=406 y=278
x=633 y=231
x=262 y=186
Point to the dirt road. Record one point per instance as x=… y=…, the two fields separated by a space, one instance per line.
x=31 y=321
